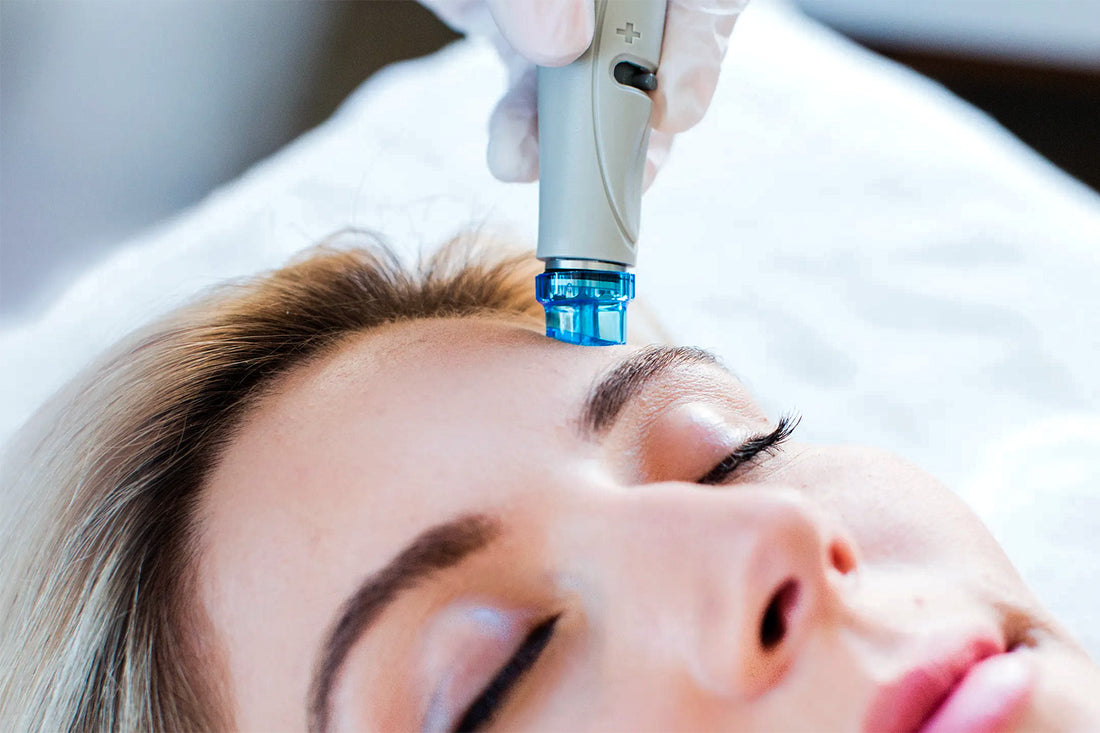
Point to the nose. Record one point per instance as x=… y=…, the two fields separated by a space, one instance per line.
x=725 y=586
x=790 y=570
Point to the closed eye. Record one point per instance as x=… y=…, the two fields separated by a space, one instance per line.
x=750 y=449
x=492 y=698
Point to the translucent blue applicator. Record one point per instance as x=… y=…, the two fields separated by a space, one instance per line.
x=593 y=134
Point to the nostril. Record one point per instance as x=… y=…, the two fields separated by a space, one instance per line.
x=777 y=616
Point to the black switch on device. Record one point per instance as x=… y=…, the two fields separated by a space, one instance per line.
x=635 y=76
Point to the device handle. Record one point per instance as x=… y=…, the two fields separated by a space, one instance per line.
x=593 y=135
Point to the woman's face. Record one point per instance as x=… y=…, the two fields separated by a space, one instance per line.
x=449 y=522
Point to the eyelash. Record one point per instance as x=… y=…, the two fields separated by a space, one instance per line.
x=482 y=709
x=751 y=449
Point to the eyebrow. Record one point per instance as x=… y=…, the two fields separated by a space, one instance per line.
x=437 y=548
x=614 y=390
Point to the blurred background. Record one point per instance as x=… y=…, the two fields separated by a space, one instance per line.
x=115 y=114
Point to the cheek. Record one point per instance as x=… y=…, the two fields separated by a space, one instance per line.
x=895 y=511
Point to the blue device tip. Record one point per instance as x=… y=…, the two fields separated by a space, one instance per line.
x=586 y=307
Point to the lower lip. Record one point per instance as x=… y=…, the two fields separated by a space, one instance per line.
x=987 y=699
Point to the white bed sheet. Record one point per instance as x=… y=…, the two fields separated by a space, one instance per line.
x=856 y=243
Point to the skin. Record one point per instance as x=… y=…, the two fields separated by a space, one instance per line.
x=660 y=583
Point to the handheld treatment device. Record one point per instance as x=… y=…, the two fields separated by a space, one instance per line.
x=593 y=135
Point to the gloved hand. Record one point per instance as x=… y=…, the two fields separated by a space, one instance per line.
x=555 y=33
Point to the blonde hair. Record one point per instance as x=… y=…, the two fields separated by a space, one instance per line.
x=99 y=628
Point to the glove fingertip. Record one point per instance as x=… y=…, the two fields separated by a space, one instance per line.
x=546 y=33
x=696 y=39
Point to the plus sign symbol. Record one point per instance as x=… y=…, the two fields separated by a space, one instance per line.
x=628 y=33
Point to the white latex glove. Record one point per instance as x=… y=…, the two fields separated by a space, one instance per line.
x=555 y=33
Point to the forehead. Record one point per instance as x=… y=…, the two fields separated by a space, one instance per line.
x=424 y=386
x=412 y=404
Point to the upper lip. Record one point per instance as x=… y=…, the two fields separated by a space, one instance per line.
x=903 y=705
